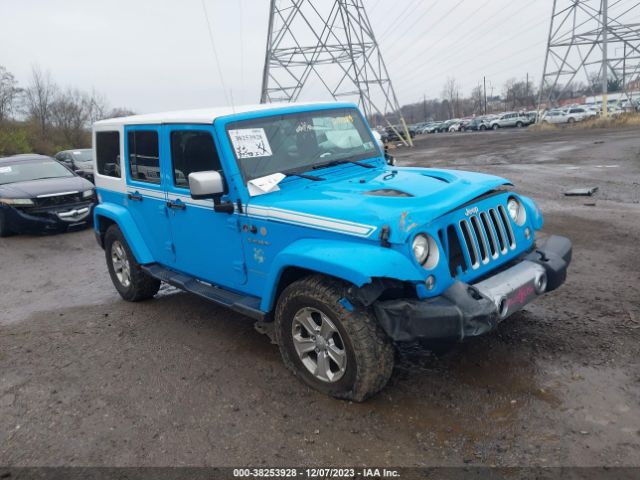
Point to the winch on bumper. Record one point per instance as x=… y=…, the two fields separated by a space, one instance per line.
x=466 y=310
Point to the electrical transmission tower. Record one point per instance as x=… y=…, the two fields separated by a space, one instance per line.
x=330 y=42
x=592 y=41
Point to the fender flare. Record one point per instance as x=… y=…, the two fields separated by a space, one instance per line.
x=357 y=264
x=123 y=219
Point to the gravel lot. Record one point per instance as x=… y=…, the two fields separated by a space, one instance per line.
x=88 y=379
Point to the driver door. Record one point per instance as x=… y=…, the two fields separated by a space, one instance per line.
x=207 y=244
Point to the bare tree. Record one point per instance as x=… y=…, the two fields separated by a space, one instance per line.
x=8 y=93
x=39 y=97
x=70 y=113
x=120 y=112
x=98 y=107
x=477 y=99
x=450 y=93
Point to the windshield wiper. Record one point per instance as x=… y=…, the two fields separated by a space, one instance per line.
x=294 y=173
x=333 y=163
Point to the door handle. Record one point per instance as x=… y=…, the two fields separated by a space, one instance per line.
x=134 y=196
x=176 y=205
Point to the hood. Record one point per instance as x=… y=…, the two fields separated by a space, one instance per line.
x=84 y=166
x=401 y=198
x=45 y=186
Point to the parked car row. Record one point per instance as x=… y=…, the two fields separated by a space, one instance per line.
x=481 y=123
x=577 y=113
x=566 y=114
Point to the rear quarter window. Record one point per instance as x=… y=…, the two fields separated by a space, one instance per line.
x=108 y=153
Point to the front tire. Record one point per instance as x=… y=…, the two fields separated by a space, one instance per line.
x=338 y=351
x=132 y=283
x=519 y=125
x=495 y=126
x=4 y=227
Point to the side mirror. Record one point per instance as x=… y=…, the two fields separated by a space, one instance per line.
x=209 y=184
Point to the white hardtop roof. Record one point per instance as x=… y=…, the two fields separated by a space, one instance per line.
x=202 y=115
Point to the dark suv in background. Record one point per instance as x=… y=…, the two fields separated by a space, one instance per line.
x=38 y=195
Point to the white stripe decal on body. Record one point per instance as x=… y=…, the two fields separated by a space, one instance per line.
x=314 y=221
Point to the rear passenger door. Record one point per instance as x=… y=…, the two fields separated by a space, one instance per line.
x=207 y=243
x=146 y=200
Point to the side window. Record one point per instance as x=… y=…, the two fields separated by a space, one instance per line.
x=192 y=151
x=108 y=153
x=144 y=158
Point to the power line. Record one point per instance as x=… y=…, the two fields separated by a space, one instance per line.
x=468 y=34
x=499 y=60
x=215 y=54
x=417 y=73
x=442 y=37
x=402 y=15
x=434 y=25
x=416 y=20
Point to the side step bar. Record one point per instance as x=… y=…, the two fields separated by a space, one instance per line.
x=247 y=305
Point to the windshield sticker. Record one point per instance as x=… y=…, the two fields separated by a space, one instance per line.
x=77 y=153
x=5 y=169
x=250 y=143
x=305 y=127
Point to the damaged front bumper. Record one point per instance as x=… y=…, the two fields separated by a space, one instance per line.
x=48 y=219
x=466 y=310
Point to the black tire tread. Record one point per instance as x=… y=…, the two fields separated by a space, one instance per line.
x=4 y=228
x=373 y=349
x=142 y=285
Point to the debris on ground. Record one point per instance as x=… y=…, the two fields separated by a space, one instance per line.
x=581 y=192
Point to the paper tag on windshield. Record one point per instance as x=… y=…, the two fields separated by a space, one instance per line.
x=5 y=169
x=262 y=185
x=250 y=143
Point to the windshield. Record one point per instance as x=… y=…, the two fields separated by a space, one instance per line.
x=300 y=141
x=25 y=171
x=82 y=155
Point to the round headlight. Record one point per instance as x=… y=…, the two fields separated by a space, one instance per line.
x=420 y=248
x=516 y=211
x=426 y=251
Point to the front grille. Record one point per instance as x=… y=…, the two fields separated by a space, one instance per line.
x=479 y=239
x=58 y=200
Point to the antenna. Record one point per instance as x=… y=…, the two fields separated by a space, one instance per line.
x=331 y=42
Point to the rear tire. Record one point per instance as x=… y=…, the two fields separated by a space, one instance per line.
x=314 y=329
x=131 y=282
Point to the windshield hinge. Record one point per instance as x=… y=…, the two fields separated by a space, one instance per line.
x=384 y=236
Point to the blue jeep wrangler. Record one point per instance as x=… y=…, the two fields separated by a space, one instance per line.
x=291 y=215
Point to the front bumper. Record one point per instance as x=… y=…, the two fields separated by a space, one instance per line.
x=466 y=310
x=51 y=219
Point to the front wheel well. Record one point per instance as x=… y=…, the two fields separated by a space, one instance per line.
x=377 y=288
x=102 y=225
x=287 y=277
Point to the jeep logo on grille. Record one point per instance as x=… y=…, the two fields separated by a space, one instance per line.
x=471 y=211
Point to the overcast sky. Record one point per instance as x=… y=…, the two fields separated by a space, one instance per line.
x=156 y=55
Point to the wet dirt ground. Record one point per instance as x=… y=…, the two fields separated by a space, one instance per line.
x=88 y=379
